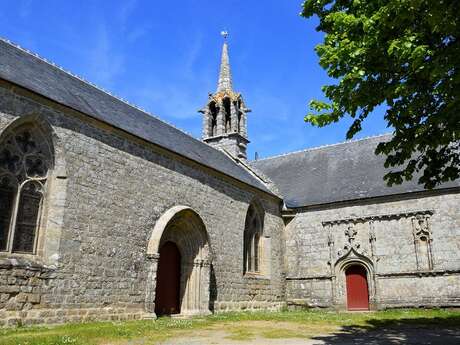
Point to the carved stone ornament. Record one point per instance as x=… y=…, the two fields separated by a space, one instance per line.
x=376 y=217
x=422 y=242
x=351 y=233
x=421 y=228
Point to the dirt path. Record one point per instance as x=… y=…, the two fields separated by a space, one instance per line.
x=270 y=333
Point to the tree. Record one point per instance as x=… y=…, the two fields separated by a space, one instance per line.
x=404 y=55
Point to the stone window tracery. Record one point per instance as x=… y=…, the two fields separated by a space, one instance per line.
x=25 y=161
x=252 y=240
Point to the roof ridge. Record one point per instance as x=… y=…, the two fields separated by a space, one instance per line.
x=323 y=146
x=51 y=63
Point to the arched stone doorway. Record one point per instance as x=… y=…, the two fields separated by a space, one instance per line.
x=182 y=227
x=365 y=274
x=357 y=288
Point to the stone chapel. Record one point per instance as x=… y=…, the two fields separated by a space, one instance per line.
x=109 y=213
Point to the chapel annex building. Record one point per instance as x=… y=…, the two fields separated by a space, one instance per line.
x=109 y=213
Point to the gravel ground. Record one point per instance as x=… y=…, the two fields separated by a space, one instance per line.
x=344 y=336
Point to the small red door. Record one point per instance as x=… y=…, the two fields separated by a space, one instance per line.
x=357 y=290
x=168 y=280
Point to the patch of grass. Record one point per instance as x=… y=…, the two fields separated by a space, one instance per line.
x=282 y=334
x=296 y=330
x=306 y=323
x=240 y=334
x=416 y=316
x=96 y=333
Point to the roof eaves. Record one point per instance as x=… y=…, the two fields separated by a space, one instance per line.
x=53 y=65
x=322 y=147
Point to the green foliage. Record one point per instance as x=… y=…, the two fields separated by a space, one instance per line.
x=404 y=55
x=152 y=332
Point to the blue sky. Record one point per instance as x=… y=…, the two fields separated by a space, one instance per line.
x=164 y=56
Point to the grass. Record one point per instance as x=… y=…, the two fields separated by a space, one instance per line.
x=285 y=334
x=239 y=333
x=238 y=326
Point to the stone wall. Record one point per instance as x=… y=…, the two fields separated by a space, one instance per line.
x=108 y=190
x=22 y=285
x=116 y=188
x=384 y=235
x=232 y=143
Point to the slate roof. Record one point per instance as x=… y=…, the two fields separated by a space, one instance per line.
x=334 y=173
x=31 y=72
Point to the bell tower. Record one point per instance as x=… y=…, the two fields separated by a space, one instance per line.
x=224 y=116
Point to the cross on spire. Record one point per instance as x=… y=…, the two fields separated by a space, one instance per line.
x=225 y=75
x=225 y=114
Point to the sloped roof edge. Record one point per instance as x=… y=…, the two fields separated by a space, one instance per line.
x=28 y=70
x=335 y=173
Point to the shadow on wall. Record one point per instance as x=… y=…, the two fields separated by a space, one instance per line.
x=212 y=289
x=438 y=331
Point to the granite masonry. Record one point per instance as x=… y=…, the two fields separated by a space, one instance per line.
x=94 y=192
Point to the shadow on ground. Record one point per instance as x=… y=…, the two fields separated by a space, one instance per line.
x=439 y=331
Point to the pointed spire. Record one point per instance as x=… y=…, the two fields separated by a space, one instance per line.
x=225 y=75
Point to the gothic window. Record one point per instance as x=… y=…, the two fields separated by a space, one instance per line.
x=25 y=160
x=7 y=194
x=252 y=240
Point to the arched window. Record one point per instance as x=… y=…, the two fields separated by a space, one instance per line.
x=252 y=240
x=25 y=161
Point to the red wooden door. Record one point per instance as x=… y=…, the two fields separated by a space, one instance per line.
x=357 y=290
x=168 y=280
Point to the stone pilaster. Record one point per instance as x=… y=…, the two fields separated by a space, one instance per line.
x=234 y=117
x=220 y=121
x=152 y=262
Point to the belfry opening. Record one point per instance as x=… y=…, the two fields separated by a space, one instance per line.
x=224 y=115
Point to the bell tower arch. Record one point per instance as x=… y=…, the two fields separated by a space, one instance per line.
x=225 y=114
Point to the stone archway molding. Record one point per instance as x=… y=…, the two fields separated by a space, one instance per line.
x=153 y=246
x=352 y=257
x=193 y=241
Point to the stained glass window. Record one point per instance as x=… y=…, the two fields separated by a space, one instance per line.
x=252 y=237
x=27 y=217
x=7 y=194
x=25 y=159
